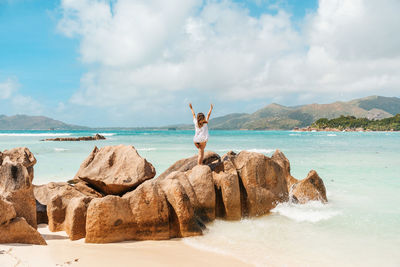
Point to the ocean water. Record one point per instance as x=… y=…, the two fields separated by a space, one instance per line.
x=360 y=226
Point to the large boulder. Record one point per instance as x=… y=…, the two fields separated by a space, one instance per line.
x=262 y=183
x=15 y=229
x=55 y=199
x=75 y=217
x=156 y=210
x=201 y=180
x=182 y=220
x=109 y=219
x=115 y=170
x=227 y=190
x=57 y=207
x=16 y=175
x=310 y=188
x=19 y=231
x=281 y=159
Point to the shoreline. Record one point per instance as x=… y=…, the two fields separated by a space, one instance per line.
x=60 y=251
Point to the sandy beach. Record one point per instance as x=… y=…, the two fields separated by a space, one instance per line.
x=60 y=251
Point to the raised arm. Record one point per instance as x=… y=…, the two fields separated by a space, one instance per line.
x=209 y=112
x=191 y=108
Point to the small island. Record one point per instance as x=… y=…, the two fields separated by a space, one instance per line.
x=351 y=124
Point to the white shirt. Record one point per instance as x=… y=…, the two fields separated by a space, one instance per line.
x=201 y=134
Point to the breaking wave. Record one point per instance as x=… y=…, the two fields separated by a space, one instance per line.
x=107 y=134
x=313 y=211
x=35 y=134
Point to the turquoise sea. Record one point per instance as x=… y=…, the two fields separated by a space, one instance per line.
x=360 y=226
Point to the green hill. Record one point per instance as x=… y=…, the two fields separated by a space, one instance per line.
x=388 y=104
x=24 y=122
x=275 y=116
x=353 y=123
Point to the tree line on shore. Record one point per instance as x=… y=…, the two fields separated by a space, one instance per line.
x=351 y=122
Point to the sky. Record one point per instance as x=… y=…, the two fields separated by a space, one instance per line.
x=139 y=63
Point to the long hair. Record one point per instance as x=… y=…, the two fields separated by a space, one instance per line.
x=201 y=119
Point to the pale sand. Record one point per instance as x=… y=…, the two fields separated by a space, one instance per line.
x=60 y=251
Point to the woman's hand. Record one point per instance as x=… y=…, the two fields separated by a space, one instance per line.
x=191 y=108
x=209 y=112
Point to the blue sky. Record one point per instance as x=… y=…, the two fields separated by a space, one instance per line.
x=86 y=63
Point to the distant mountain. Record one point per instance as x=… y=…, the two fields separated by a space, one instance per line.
x=24 y=122
x=275 y=116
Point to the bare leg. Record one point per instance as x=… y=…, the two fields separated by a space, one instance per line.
x=201 y=153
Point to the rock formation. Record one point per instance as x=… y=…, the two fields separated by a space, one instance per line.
x=310 y=188
x=115 y=170
x=66 y=206
x=301 y=191
x=186 y=196
x=16 y=175
x=17 y=203
x=83 y=138
x=115 y=197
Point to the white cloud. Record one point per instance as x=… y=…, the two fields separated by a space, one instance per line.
x=26 y=105
x=16 y=102
x=8 y=87
x=141 y=51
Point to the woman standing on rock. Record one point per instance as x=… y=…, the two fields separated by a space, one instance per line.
x=201 y=136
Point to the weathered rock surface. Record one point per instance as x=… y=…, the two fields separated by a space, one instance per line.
x=17 y=202
x=189 y=163
x=65 y=206
x=310 y=188
x=83 y=138
x=201 y=180
x=19 y=231
x=7 y=211
x=16 y=175
x=262 y=183
x=281 y=159
x=301 y=191
x=227 y=190
x=115 y=170
x=158 y=209
x=114 y=198
x=75 y=217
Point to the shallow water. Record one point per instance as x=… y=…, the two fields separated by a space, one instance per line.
x=359 y=226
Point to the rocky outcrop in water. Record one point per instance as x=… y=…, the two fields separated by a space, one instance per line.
x=301 y=191
x=115 y=197
x=18 y=220
x=83 y=138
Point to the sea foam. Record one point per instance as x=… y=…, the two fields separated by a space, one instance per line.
x=107 y=134
x=35 y=134
x=313 y=211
